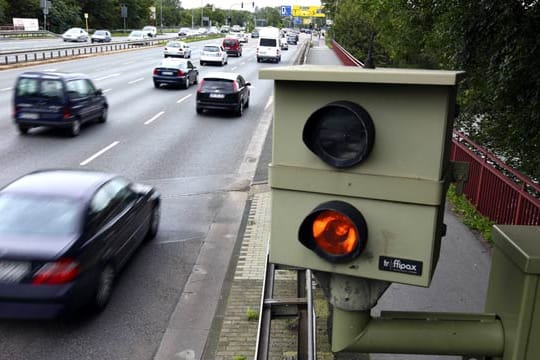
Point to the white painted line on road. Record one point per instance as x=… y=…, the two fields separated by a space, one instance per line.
x=107 y=77
x=234 y=68
x=136 y=80
x=269 y=103
x=48 y=70
x=106 y=90
x=184 y=98
x=99 y=153
x=6 y=89
x=154 y=117
x=128 y=62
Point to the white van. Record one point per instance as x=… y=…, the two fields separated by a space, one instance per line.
x=268 y=47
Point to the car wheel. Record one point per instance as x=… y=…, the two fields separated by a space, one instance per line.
x=196 y=81
x=23 y=130
x=156 y=84
x=166 y=56
x=75 y=128
x=104 y=288
x=154 y=222
x=258 y=60
x=199 y=110
x=246 y=105
x=186 y=83
x=202 y=63
x=104 y=113
x=240 y=109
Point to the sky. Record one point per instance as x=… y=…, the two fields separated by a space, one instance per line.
x=235 y=4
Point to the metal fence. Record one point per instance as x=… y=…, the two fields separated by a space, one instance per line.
x=498 y=192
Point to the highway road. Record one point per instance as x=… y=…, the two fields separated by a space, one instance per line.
x=202 y=165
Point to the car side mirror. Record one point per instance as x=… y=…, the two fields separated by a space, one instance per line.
x=248 y=84
x=99 y=92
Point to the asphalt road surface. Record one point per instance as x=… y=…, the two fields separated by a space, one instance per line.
x=202 y=165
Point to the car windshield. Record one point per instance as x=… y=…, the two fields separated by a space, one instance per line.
x=229 y=42
x=100 y=32
x=136 y=34
x=49 y=88
x=146 y=28
x=224 y=85
x=172 y=64
x=211 y=48
x=73 y=31
x=173 y=44
x=22 y=214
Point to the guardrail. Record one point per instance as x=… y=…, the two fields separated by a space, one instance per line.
x=346 y=57
x=496 y=190
x=29 y=55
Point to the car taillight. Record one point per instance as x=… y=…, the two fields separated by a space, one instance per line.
x=58 y=272
x=235 y=86
x=67 y=113
x=156 y=72
x=199 y=87
x=16 y=110
x=180 y=73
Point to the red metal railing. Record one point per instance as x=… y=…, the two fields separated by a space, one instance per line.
x=497 y=191
x=345 y=57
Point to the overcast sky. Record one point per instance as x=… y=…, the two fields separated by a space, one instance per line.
x=226 y=4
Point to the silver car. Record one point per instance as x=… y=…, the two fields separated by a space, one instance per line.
x=75 y=34
x=177 y=49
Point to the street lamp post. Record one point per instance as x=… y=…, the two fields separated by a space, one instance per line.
x=161 y=16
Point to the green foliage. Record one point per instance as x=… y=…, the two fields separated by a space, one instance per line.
x=239 y=357
x=495 y=42
x=470 y=216
x=252 y=315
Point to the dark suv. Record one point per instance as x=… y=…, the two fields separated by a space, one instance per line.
x=223 y=91
x=64 y=100
x=232 y=46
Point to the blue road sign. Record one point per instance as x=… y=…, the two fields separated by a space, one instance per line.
x=297 y=21
x=285 y=10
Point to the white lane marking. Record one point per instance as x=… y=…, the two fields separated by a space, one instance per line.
x=106 y=90
x=99 y=153
x=234 y=68
x=154 y=117
x=107 y=77
x=48 y=70
x=270 y=100
x=128 y=62
x=184 y=98
x=6 y=89
x=136 y=80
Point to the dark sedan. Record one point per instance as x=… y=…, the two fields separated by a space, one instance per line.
x=64 y=237
x=175 y=72
x=223 y=91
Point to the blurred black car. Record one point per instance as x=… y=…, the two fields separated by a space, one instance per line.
x=178 y=72
x=64 y=237
x=223 y=91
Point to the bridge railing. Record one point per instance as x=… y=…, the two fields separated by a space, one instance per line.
x=498 y=192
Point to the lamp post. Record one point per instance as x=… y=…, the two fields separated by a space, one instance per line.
x=161 y=16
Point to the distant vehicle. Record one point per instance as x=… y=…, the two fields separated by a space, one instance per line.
x=150 y=30
x=101 y=36
x=178 y=72
x=75 y=34
x=177 y=49
x=65 y=236
x=214 y=54
x=284 y=45
x=138 y=37
x=213 y=30
x=61 y=100
x=255 y=34
x=223 y=91
x=232 y=46
x=184 y=31
x=236 y=28
x=224 y=29
x=243 y=37
x=269 y=47
x=202 y=30
x=292 y=38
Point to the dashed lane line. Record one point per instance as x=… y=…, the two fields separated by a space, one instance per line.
x=99 y=153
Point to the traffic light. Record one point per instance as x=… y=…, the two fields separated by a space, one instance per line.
x=242 y=5
x=360 y=169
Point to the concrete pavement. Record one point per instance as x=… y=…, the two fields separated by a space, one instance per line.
x=459 y=284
